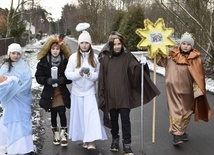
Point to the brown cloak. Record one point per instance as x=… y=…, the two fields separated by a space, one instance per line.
x=119 y=83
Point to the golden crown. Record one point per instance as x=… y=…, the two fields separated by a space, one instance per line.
x=186 y=34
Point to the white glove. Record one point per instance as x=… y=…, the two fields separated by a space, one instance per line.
x=143 y=60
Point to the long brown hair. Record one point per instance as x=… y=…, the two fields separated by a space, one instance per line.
x=91 y=60
x=9 y=63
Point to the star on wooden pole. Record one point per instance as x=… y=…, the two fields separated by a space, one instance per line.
x=155 y=38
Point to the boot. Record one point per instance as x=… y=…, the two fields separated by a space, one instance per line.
x=115 y=145
x=91 y=146
x=31 y=153
x=127 y=149
x=64 y=137
x=185 y=137
x=56 y=140
x=177 y=139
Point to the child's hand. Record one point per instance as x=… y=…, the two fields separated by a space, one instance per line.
x=84 y=70
x=61 y=80
x=81 y=71
x=143 y=60
x=51 y=81
x=2 y=78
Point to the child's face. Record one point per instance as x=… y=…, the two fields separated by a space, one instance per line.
x=84 y=46
x=117 y=45
x=55 y=50
x=185 y=46
x=15 y=56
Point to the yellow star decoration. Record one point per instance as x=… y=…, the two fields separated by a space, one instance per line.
x=155 y=38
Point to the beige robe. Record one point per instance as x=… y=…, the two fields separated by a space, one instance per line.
x=181 y=72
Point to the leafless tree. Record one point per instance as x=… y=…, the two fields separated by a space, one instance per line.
x=11 y=14
x=195 y=17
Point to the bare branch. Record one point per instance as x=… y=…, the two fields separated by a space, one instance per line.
x=205 y=30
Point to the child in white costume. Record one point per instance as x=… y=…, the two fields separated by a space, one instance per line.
x=83 y=70
x=16 y=99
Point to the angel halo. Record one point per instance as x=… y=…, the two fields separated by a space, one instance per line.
x=82 y=26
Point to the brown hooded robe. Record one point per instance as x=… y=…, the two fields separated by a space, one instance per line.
x=112 y=93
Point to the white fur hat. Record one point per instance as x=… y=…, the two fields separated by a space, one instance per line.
x=14 y=47
x=84 y=37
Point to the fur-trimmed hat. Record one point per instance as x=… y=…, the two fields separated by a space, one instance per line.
x=14 y=47
x=188 y=38
x=64 y=48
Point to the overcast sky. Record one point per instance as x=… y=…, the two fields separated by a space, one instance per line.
x=52 y=6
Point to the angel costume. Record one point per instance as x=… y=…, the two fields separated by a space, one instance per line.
x=16 y=98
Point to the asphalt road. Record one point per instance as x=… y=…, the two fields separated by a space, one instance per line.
x=201 y=134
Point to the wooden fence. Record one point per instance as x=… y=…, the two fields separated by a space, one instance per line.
x=5 y=42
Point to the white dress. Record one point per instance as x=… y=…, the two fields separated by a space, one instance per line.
x=3 y=139
x=85 y=122
x=26 y=141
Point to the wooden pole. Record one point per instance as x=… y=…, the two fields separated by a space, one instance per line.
x=142 y=113
x=154 y=105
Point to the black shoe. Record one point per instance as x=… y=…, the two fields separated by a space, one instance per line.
x=185 y=137
x=30 y=153
x=127 y=149
x=115 y=145
x=177 y=140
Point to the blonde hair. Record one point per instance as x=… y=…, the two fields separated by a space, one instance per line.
x=91 y=60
